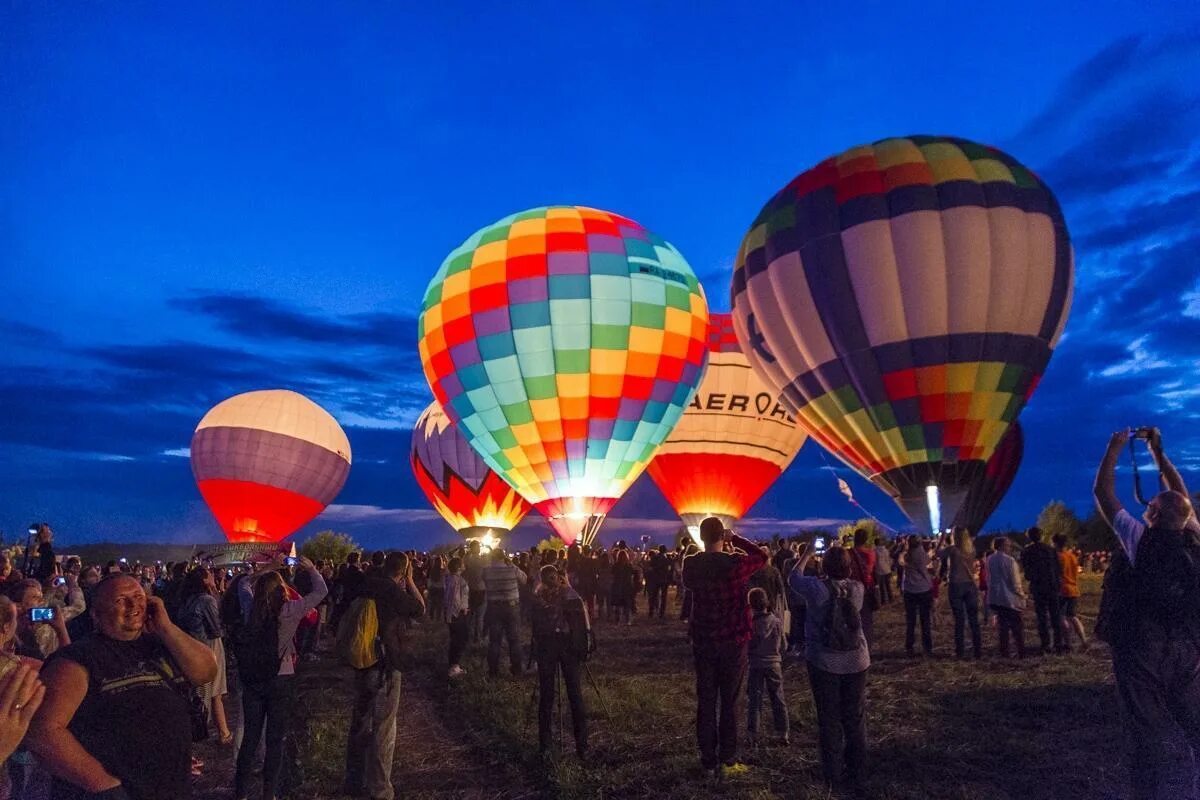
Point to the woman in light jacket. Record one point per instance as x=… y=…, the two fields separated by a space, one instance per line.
x=268 y=702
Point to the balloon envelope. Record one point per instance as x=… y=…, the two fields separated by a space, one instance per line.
x=732 y=442
x=905 y=297
x=565 y=343
x=459 y=484
x=988 y=490
x=268 y=462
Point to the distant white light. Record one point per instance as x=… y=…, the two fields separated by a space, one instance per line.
x=935 y=507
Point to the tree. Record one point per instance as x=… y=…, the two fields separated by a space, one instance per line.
x=329 y=546
x=1057 y=518
x=552 y=543
x=875 y=534
x=1095 y=534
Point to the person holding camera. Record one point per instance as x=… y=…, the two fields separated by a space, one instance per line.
x=562 y=641
x=720 y=628
x=41 y=628
x=1150 y=615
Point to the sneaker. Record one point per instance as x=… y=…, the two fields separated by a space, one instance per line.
x=456 y=670
x=733 y=770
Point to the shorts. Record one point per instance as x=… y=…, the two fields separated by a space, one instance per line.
x=1067 y=605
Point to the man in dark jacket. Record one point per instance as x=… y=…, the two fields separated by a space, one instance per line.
x=658 y=579
x=372 y=740
x=1039 y=562
x=1152 y=604
x=720 y=628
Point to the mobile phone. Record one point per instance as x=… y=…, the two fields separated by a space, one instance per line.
x=228 y=573
x=291 y=561
x=42 y=614
x=60 y=581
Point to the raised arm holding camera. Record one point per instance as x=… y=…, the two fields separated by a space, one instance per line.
x=1150 y=615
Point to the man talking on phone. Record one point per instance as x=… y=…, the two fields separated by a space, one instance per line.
x=91 y=733
x=720 y=627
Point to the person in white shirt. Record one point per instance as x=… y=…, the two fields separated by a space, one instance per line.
x=1005 y=595
x=1152 y=601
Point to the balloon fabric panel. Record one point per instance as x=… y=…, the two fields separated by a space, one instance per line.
x=989 y=489
x=459 y=485
x=905 y=298
x=565 y=343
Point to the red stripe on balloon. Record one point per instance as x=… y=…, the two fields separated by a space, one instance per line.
x=253 y=512
x=696 y=483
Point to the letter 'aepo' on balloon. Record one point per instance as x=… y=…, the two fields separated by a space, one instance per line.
x=905 y=297
x=268 y=462
x=565 y=343
x=733 y=441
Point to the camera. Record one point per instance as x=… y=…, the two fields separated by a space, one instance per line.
x=291 y=561
x=60 y=581
x=42 y=614
x=1142 y=433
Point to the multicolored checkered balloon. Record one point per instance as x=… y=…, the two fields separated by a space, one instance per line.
x=905 y=298
x=565 y=343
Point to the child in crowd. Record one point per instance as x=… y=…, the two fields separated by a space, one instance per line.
x=766 y=666
x=457 y=608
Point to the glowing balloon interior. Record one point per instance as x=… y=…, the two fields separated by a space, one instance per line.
x=733 y=441
x=268 y=462
x=565 y=343
x=905 y=298
x=473 y=499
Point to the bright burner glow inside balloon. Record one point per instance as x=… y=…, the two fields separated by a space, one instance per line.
x=564 y=342
x=935 y=507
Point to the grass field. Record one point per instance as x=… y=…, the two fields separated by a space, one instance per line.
x=937 y=728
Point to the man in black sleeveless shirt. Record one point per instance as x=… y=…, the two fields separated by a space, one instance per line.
x=91 y=732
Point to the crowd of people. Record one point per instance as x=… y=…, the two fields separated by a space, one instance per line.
x=89 y=651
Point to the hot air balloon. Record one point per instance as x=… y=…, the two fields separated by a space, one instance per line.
x=733 y=440
x=473 y=499
x=989 y=489
x=565 y=342
x=905 y=298
x=267 y=462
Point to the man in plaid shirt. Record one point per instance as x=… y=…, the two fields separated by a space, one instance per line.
x=720 y=629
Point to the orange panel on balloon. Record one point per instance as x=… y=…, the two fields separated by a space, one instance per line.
x=709 y=485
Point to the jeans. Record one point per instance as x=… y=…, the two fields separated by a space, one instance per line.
x=554 y=655
x=459 y=633
x=770 y=678
x=1008 y=620
x=964 y=603
x=264 y=704
x=504 y=620
x=372 y=740
x=918 y=604
x=720 y=680
x=883 y=583
x=658 y=599
x=840 y=701
x=477 y=603
x=1158 y=689
x=1049 y=621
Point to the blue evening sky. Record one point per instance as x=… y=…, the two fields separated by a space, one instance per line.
x=205 y=199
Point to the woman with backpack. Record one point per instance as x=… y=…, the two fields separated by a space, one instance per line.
x=838 y=659
x=266 y=655
x=199 y=618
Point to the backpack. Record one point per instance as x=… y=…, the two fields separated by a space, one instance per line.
x=1158 y=594
x=842 y=628
x=357 y=643
x=256 y=648
x=567 y=617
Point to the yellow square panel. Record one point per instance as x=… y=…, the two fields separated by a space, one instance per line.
x=456 y=284
x=544 y=410
x=961 y=377
x=678 y=321
x=526 y=434
x=571 y=385
x=894 y=152
x=487 y=253
x=527 y=227
x=989 y=169
x=987 y=378
x=645 y=340
x=609 y=362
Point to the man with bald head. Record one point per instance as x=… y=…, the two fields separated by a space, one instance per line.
x=91 y=732
x=1151 y=608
